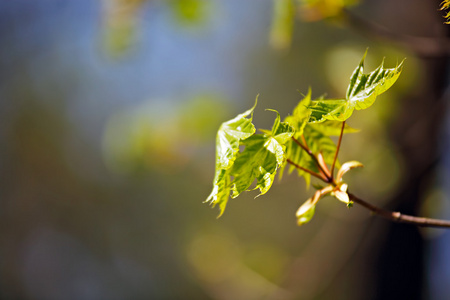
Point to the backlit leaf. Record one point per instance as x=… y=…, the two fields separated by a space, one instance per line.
x=364 y=88
x=228 y=140
x=300 y=116
x=229 y=135
x=262 y=156
x=305 y=213
x=221 y=189
x=329 y=109
x=347 y=167
x=361 y=93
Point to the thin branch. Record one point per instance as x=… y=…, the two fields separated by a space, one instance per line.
x=398 y=217
x=304 y=142
x=337 y=149
x=306 y=170
x=327 y=178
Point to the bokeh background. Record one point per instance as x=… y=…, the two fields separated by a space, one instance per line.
x=108 y=113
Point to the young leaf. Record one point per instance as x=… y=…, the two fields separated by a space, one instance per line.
x=306 y=211
x=361 y=93
x=347 y=167
x=364 y=88
x=300 y=115
x=307 y=215
x=329 y=109
x=230 y=134
x=262 y=156
x=221 y=189
x=228 y=139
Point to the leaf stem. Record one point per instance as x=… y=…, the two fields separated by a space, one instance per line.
x=337 y=149
x=398 y=217
x=320 y=176
x=304 y=142
x=325 y=177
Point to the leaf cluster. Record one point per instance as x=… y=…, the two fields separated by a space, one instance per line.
x=302 y=140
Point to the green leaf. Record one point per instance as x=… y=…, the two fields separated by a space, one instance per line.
x=221 y=190
x=361 y=93
x=364 y=88
x=228 y=140
x=300 y=115
x=305 y=213
x=341 y=194
x=262 y=156
x=229 y=135
x=347 y=167
x=329 y=109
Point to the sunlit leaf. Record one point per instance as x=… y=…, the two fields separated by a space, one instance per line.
x=262 y=156
x=347 y=167
x=305 y=213
x=306 y=216
x=342 y=196
x=301 y=115
x=361 y=93
x=221 y=189
x=228 y=140
x=329 y=109
x=364 y=88
x=229 y=135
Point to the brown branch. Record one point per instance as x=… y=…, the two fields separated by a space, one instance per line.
x=306 y=170
x=398 y=217
x=337 y=149
x=326 y=178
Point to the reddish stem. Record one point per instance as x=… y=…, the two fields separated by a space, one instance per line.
x=321 y=177
x=398 y=217
x=326 y=177
x=337 y=149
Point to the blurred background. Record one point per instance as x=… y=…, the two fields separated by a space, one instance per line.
x=108 y=113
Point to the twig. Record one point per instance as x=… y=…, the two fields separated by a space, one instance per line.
x=398 y=217
x=337 y=149
x=327 y=178
x=306 y=170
